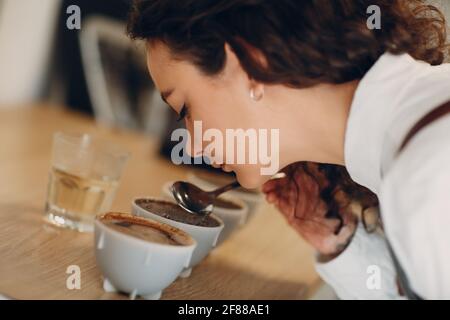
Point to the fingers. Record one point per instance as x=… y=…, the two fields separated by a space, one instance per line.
x=283 y=205
x=271 y=185
x=268 y=186
x=271 y=198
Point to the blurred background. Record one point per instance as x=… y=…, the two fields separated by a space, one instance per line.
x=95 y=70
x=44 y=60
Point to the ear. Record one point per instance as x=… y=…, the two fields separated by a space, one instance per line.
x=255 y=88
x=232 y=63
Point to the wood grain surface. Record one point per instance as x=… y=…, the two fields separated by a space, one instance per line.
x=263 y=260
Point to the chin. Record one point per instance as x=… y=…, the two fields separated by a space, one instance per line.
x=250 y=178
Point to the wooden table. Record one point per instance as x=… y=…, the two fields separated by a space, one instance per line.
x=264 y=260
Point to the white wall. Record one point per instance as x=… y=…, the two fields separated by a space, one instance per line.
x=442 y=4
x=26 y=33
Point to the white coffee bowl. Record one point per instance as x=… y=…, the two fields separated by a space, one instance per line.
x=139 y=267
x=206 y=237
x=233 y=219
x=254 y=200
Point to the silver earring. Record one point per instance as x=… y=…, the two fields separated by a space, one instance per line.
x=255 y=97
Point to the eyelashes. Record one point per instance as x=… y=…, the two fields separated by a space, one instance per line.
x=183 y=113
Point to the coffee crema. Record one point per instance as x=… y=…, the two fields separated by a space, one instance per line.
x=174 y=212
x=145 y=229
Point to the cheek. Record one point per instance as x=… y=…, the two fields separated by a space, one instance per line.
x=221 y=107
x=215 y=121
x=208 y=124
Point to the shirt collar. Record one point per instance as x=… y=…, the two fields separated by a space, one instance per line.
x=376 y=104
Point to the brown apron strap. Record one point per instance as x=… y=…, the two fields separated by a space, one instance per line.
x=430 y=117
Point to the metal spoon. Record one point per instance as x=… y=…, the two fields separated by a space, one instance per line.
x=195 y=200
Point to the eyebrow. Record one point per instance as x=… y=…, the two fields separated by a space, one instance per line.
x=166 y=94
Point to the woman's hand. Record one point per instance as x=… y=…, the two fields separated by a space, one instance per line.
x=297 y=197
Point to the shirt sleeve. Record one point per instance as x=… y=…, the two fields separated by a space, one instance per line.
x=363 y=271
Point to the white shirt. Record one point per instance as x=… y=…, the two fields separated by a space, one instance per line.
x=413 y=188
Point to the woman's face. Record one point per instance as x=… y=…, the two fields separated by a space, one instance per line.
x=220 y=102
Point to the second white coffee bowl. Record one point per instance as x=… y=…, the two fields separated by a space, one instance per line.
x=233 y=218
x=206 y=237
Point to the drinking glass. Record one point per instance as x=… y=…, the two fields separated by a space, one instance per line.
x=83 y=179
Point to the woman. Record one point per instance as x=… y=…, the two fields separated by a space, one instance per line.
x=344 y=97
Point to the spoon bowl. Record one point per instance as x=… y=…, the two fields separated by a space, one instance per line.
x=195 y=200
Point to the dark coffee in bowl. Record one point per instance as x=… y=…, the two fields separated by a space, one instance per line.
x=145 y=229
x=174 y=212
x=226 y=204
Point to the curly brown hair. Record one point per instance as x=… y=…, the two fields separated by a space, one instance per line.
x=304 y=42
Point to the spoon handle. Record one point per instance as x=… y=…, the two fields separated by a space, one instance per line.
x=226 y=188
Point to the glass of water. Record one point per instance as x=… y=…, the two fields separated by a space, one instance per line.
x=83 y=179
